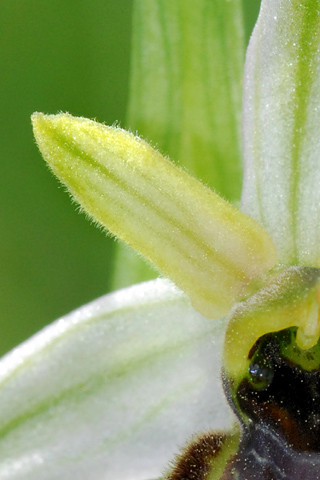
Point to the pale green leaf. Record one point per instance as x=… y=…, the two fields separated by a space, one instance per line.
x=213 y=252
x=282 y=128
x=112 y=390
x=186 y=85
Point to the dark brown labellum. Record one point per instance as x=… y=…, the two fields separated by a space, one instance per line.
x=278 y=405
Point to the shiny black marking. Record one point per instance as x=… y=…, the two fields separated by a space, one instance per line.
x=265 y=456
x=279 y=408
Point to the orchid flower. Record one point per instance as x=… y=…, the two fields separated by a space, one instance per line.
x=113 y=389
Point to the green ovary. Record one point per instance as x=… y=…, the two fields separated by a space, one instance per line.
x=289 y=299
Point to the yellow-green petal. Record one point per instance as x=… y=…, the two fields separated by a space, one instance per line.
x=213 y=252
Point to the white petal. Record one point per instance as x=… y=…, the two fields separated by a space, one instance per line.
x=282 y=128
x=111 y=390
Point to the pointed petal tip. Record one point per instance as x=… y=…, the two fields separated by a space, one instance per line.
x=41 y=125
x=37 y=118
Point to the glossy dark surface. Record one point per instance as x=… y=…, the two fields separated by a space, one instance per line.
x=265 y=456
x=279 y=407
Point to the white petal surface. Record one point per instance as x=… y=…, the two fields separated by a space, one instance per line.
x=111 y=390
x=282 y=128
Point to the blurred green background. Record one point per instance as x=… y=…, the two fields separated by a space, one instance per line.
x=55 y=55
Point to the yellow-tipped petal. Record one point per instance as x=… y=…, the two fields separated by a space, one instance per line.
x=207 y=247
